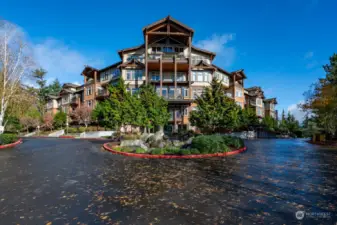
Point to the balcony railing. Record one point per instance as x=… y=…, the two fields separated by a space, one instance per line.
x=167 y=56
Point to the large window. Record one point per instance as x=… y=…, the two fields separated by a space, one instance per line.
x=259 y=111
x=89 y=90
x=200 y=76
x=238 y=93
x=197 y=58
x=259 y=101
x=181 y=76
x=168 y=49
x=137 y=57
x=272 y=106
x=221 y=77
x=134 y=74
x=105 y=76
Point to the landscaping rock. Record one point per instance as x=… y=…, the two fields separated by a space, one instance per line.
x=177 y=143
x=133 y=143
x=189 y=141
x=145 y=137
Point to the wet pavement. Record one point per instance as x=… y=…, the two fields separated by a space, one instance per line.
x=56 y=181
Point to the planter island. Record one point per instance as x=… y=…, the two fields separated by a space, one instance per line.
x=203 y=146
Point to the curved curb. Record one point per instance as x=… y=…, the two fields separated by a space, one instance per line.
x=199 y=156
x=12 y=144
x=67 y=137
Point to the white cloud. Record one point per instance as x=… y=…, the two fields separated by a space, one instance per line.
x=219 y=45
x=60 y=60
x=296 y=111
x=308 y=55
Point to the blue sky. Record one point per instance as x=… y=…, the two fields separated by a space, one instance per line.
x=280 y=44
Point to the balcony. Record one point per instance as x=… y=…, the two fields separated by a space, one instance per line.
x=168 y=57
x=75 y=100
x=102 y=94
x=169 y=78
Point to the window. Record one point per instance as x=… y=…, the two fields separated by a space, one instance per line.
x=229 y=95
x=259 y=101
x=259 y=112
x=176 y=49
x=89 y=90
x=164 y=91
x=105 y=76
x=89 y=103
x=200 y=76
x=272 y=107
x=155 y=75
x=168 y=49
x=137 y=57
x=238 y=93
x=156 y=49
x=181 y=76
x=185 y=91
x=186 y=111
x=171 y=92
x=134 y=74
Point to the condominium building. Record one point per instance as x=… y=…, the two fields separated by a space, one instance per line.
x=169 y=61
x=69 y=98
x=255 y=99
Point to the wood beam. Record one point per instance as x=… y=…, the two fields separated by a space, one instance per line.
x=169 y=33
x=146 y=66
x=175 y=78
x=161 y=75
x=189 y=67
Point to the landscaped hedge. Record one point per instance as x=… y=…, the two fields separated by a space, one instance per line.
x=8 y=138
x=204 y=144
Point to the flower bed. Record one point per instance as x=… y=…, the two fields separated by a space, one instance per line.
x=201 y=147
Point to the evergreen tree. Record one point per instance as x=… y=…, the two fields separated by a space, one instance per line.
x=54 y=88
x=42 y=91
x=215 y=110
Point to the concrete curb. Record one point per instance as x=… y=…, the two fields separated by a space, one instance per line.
x=199 y=156
x=12 y=144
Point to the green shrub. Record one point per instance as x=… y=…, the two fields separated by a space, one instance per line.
x=209 y=144
x=234 y=142
x=131 y=137
x=172 y=150
x=158 y=151
x=60 y=119
x=140 y=150
x=81 y=129
x=118 y=149
x=8 y=138
x=194 y=151
x=126 y=149
x=72 y=130
x=186 y=152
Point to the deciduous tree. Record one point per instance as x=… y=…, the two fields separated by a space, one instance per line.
x=15 y=64
x=82 y=115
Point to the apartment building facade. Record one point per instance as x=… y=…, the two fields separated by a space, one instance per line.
x=169 y=61
x=69 y=98
x=255 y=99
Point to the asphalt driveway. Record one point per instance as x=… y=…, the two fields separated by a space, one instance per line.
x=59 y=181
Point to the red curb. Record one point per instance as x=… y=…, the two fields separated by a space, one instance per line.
x=66 y=136
x=199 y=156
x=12 y=144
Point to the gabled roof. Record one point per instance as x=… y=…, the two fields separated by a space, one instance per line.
x=255 y=92
x=203 y=51
x=204 y=65
x=70 y=85
x=221 y=70
x=132 y=62
x=241 y=74
x=271 y=100
x=168 y=19
x=111 y=66
x=120 y=52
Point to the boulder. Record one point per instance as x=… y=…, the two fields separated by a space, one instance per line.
x=145 y=137
x=134 y=143
x=189 y=141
